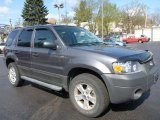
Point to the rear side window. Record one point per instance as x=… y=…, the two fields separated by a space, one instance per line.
x=24 y=39
x=11 y=37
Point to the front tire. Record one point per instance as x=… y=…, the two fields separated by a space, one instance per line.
x=89 y=95
x=13 y=75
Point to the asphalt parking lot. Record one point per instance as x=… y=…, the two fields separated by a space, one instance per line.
x=33 y=102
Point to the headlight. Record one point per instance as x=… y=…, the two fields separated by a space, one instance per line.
x=127 y=67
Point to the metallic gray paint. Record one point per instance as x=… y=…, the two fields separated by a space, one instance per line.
x=43 y=64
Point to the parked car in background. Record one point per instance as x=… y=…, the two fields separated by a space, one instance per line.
x=132 y=39
x=1 y=47
x=114 y=41
x=145 y=37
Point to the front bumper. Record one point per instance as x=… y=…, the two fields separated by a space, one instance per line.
x=123 y=88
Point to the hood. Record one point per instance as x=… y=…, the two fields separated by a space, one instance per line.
x=119 y=53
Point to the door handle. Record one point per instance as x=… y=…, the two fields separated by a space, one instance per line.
x=35 y=54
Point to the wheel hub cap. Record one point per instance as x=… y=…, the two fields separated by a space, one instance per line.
x=85 y=96
x=12 y=75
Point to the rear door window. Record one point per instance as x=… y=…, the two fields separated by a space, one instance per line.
x=25 y=37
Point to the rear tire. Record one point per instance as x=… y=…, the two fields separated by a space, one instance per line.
x=89 y=95
x=14 y=76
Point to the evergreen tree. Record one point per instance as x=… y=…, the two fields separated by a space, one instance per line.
x=34 y=12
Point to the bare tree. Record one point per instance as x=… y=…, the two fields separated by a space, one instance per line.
x=66 y=19
x=134 y=15
x=155 y=17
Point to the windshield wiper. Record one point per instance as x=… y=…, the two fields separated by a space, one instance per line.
x=86 y=44
x=97 y=43
x=74 y=44
x=79 y=44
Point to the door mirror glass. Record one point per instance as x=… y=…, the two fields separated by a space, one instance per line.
x=45 y=38
x=50 y=45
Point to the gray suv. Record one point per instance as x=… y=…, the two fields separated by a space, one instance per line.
x=71 y=58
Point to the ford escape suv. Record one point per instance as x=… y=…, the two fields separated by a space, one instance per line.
x=73 y=59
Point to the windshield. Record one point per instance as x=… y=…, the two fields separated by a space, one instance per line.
x=73 y=36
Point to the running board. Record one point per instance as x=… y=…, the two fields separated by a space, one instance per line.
x=53 y=87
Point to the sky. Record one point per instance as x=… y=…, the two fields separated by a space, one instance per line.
x=12 y=9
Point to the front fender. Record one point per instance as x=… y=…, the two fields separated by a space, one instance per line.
x=93 y=65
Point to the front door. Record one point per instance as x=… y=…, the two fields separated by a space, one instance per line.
x=47 y=64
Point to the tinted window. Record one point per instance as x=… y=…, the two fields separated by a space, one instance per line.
x=25 y=38
x=43 y=35
x=11 y=37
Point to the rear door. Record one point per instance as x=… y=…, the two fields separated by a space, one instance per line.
x=23 y=50
x=47 y=64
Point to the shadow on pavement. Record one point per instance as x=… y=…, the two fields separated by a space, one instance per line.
x=62 y=95
x=129 y=106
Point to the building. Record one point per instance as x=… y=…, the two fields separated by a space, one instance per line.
x=152 y=33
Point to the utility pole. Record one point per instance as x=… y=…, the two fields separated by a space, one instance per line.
x=10 y=21
x=102 y=17
x=66 y=12
x=144 y=10
x=145 y=20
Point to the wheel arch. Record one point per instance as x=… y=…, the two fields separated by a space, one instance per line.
x=9 y=60
x=79 y=70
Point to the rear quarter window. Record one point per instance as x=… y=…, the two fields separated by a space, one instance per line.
x=24 y=39
x=11 y=37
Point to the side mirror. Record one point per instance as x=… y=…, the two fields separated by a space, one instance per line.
x=50 y=45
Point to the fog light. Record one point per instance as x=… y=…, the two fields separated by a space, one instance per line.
x=137 y=94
